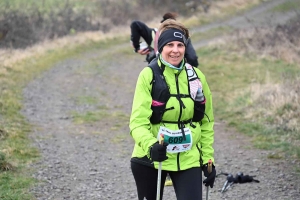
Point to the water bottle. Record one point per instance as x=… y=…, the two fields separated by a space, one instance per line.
x=199 y=95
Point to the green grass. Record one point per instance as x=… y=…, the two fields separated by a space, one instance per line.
x=47 y=5
x=13 y=186
x=90 y=116
x=210 y=34
x=83 y=100
x=99 y=114
x=230 y=76
x=287 y=6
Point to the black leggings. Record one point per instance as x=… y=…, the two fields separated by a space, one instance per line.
x=187 y=183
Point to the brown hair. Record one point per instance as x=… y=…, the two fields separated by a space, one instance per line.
x=171 y=23
x=169 y=15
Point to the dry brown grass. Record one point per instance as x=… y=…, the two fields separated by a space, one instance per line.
x=278 y=100
x=8 y=57
x=267 y=42
x=219 y=7
x=4 y=165
x=3 y=134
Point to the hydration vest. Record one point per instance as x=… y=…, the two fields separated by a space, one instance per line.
x=160 y=95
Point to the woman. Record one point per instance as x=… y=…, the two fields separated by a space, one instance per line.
x=141 y=30
x=172 y=100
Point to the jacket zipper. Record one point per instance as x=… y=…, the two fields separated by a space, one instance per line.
x=180 y=113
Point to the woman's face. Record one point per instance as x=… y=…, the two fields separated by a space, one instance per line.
x=173 y=52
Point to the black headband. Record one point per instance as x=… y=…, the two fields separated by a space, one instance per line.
x=169 y=36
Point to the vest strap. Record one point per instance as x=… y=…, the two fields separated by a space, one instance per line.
x=177 y=122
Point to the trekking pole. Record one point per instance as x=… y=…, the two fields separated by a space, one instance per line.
x=161 y=141
x=209 y=169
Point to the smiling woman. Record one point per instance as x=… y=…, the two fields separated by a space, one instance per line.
x=165 y=123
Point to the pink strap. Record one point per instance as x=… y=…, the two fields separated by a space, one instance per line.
x=156 y=41
x=157 y=103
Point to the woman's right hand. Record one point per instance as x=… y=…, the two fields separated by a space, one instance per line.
x=158 y=152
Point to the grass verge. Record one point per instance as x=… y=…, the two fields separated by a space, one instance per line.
x=15 y=145
x=250 y=93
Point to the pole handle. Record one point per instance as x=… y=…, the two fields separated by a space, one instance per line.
x=161 y=139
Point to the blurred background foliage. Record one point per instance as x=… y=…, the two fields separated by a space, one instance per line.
x=31 y=21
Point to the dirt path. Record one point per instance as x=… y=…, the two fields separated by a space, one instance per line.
x=91 y=161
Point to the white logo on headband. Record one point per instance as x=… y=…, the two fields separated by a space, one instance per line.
x=178 y=34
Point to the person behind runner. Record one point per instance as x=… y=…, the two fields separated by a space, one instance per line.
x=141 y=30
x=178 y=105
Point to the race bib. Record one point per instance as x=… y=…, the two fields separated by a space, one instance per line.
x=175 y=139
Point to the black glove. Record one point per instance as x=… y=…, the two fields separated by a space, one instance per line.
x=209 y=181
x=158 y=152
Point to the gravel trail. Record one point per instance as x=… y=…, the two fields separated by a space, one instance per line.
x=92 y=160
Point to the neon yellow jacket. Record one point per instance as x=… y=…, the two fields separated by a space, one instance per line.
x=145 y=134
